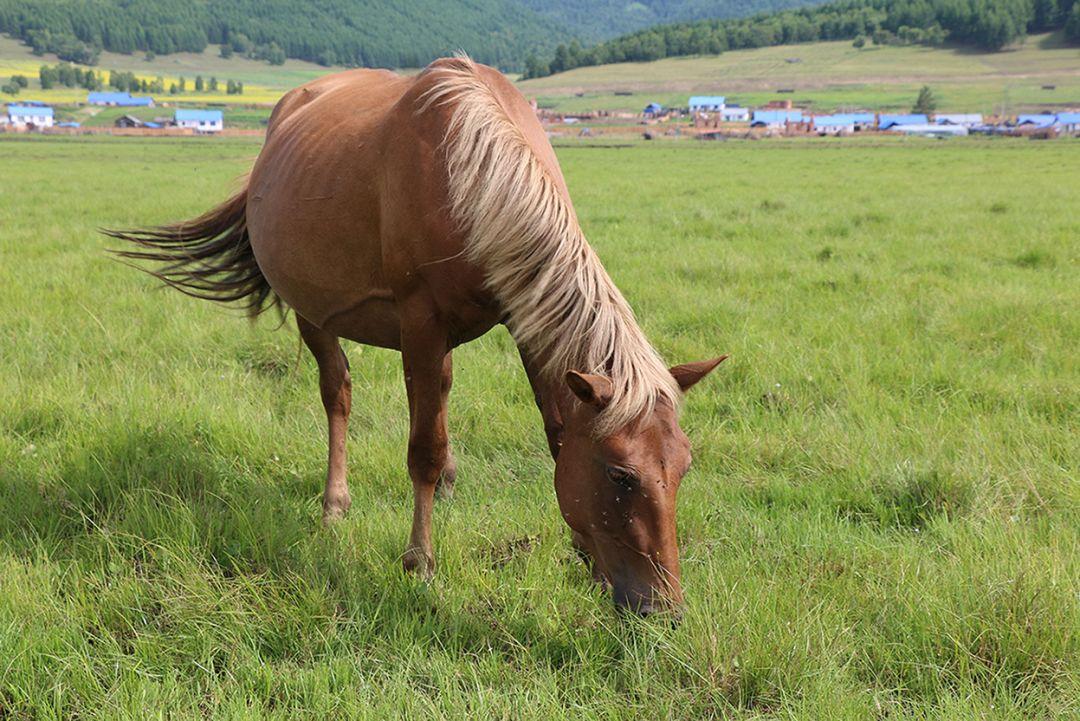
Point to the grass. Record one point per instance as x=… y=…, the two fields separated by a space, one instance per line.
x=882 y=520
x=832 y=75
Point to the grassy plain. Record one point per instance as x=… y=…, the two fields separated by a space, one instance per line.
x=883 y=519
x=831 y=76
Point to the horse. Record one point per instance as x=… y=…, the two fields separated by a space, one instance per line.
x=417 y=213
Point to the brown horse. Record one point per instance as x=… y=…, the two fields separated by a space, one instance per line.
x=416 y=213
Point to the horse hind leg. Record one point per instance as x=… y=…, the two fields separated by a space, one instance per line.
x=335 y=386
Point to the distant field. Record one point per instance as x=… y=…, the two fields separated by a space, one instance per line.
x=830 y=76
x=882 y=521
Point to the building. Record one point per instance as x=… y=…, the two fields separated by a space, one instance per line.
x=201 y=121
x=123 y=100
x=926 y=129
x=1043 y=120
x=776 y=118
x=887 y=122
x=130 y=121
x=834 y=124
x=735 y=114
x=1068 y=122
x=34 y=116
x=965 y=120
x=653 y=110
x=706 y=103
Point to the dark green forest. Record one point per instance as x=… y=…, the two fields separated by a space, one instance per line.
x=986 y=24
x=372 y=33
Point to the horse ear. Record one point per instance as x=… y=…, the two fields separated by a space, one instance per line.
x=688 y=374
x=592 y=389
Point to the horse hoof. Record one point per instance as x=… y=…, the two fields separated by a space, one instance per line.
x=419 y=563
x=334 y=512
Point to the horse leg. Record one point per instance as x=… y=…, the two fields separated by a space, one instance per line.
x=547 y=402
x=335 y=386
x=428 y=366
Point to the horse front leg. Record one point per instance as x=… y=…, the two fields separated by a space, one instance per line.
x=335 y=387
x=428 y=366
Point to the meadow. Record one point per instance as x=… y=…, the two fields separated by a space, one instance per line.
x=882 y=521
x=831 y=76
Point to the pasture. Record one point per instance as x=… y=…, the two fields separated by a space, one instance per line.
x=882 y=521
x=833 y=76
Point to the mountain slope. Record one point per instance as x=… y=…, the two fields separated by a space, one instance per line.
x=346 y=32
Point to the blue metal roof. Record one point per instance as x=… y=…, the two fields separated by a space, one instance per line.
x=958 y=119
x=830 y=121
x=777 y=116
x=1042 y=120
x=124 y=99
x=208 y=116
x=888 y=121
x=710 y=100
x=30 y=110
x=653 y=108
x=1068 y=118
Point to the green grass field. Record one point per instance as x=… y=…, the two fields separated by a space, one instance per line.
x=833 y=76
x=883 y=519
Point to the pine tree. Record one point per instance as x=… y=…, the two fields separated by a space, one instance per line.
x=926 y=103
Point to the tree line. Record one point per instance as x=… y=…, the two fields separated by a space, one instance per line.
x=71 y=76
x=330 y=32
x=988 y=24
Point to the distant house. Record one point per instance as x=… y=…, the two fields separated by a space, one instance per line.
x=201 y=121
x=652 y=110
x=122 y=100
x=734 y=114
x=706 y=103
x=1043 y=120
x=130 y=121
x=37 y=116
x=776 y=118
x=886 y=122
x=1068 y=122
x=834 y=124
x=966 y=120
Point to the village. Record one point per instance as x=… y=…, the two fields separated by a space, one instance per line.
x=706 y=117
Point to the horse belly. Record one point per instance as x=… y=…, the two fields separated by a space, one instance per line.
x=316 y=240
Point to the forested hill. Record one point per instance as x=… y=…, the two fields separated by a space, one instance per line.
x=385 y=33
x=986 y=24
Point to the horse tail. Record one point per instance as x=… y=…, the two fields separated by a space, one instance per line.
x=207 y=257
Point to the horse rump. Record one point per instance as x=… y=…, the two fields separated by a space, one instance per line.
x=207 y=257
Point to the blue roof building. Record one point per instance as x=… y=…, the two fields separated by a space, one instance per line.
x=202 y=121
x=40 y=111
x=1043 y=120
x=887 y=121
x=1069 y=121
x=125 y=100
x=653 y=109
x=702 y=103
x=776 y=118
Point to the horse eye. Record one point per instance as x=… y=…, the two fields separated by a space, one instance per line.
x=621 y=476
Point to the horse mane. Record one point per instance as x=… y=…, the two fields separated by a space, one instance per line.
x=562 y=306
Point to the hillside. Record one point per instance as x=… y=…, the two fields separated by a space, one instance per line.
x=983 y=24
x=602 y=19
x=832 y=75
x=346 y=32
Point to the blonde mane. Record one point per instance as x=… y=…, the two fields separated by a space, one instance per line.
x=562 y=306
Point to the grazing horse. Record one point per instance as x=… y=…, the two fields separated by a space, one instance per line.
x=416 y=213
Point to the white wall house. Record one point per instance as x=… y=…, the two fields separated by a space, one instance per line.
x=735 y=114
x=21 y=116
x=201 y=121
